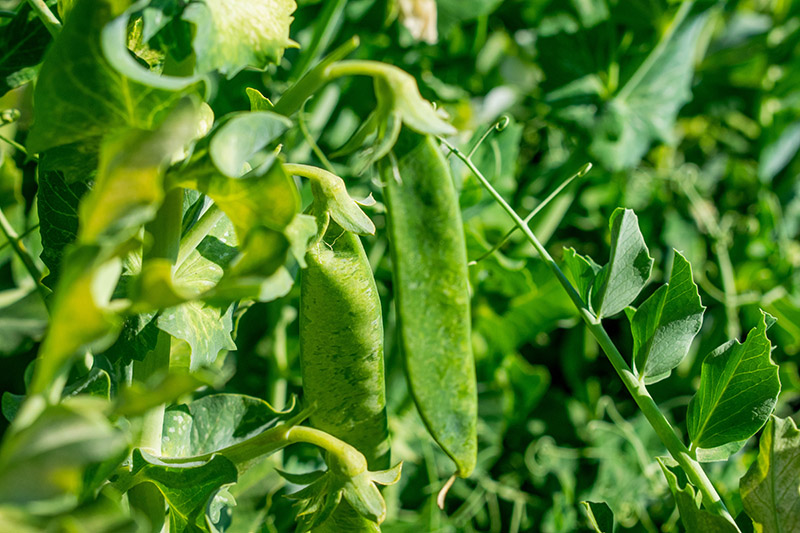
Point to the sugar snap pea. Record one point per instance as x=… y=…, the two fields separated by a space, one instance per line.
x=341 y=345
x=432 y=293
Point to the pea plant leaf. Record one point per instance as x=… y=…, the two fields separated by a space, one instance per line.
x=583 y=271
x=58 y=219
x=601 y=517
x=619 y=282
x=23 y=319
x=23 y=41
x=206 y=328
x=693 y=516
x=80 y=94
x=647 y=105
x=231 y=36
x=771 y=487
x=739 y=386
x=217 y=421
x=47 y=458
x=665 y=324
x=129 y=186
x=187 y=508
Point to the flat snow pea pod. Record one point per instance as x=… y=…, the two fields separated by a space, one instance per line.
x=341 y=345
x=432 y=294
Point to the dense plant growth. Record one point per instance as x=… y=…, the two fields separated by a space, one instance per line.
x=262 y=266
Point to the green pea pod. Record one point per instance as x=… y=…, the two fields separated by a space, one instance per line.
x=432 y=293
x=341 y=345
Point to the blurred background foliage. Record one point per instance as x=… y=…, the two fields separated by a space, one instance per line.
x=690 y=114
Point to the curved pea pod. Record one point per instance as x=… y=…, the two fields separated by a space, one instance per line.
x=432 y=293
x=341 y=345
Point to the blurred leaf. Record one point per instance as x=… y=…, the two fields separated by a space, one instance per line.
x=771 y=488
x=619 y=282
x=241 y=137
x=23 y=319
x=80 y=94
x=777 y=153
x=47 y=459
x=129 y=186
x=666 y=323
x=23 y=41
x=645 y=108
x=229 y=37
x=738 y=389
x=694 y=518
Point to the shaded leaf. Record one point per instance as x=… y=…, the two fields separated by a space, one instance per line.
x=739 y=386
x=619 y=282
x=23 y=42
x=583 y=271
x=23 y=319
x=666 y=323
x=771 y=487
x=601 y=518
x=58 y=219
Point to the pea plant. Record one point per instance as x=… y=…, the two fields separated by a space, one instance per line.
x=168 y=219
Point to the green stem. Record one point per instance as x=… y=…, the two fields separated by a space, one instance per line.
x=199 y=231
x=153 y=421
x=636 y=388
x=325 y=29
x=18 y=146
x=16 y=243
x=47 y=17
x=349 y=459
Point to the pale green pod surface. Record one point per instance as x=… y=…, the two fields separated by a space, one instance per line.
x=432 y=294
x=341 y=345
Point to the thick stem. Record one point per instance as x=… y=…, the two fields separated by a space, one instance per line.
x=637 y=389
x=47 y=17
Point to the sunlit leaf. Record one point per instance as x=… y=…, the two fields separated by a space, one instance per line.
x=694 y=517
x=739 y=386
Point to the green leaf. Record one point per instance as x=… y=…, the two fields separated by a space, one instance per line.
x=129 y=186
x=601 y=518
x=771 y=487
x=241 y=137
x=646 y=107
x=205 y=328
x=137 y=398
x=47 y=459
x=720 y=453
x=619 y=282
x=85 y=289
x=187 y=508
x=80 y=94
x=739 y=386
x=215 y=422
x=666 y=323
x=23 y=42
x=258 y=102
x=583 y=271
x=23 y=319
x=58 y=219
x=694 y=518
x=76 y=161
x=231 y=36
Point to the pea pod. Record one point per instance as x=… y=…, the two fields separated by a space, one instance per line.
x=341 y=345
x=432 y=293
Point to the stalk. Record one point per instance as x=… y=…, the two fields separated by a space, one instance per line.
x=636 y=388
x=16 y=243
x=47 y=17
